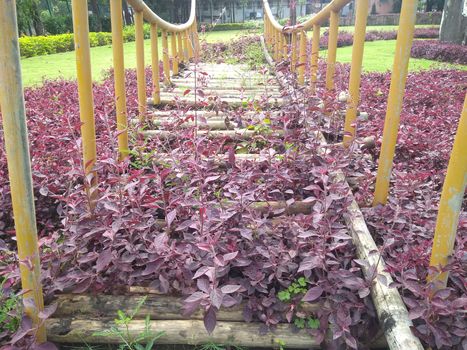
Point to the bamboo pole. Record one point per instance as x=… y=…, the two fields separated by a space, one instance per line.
x=395 y=99
x=119 y=76
x=173 y=40
x=355 y=70
x=451 y=201
x=314 y=58
x=165 y=57
x=332 y=49
x=84 y=80
x=156 y=89
x=302 y=58
x=140 y=74
x=15 y=134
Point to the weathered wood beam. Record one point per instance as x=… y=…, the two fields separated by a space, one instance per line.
x=191 y=332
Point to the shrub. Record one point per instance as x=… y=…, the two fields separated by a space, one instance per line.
x=435 y=50
x=57 y=24
x=234 y=26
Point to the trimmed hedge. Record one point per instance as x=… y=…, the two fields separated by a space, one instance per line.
x=45 y=45
x=233 y=26
x=436 y=50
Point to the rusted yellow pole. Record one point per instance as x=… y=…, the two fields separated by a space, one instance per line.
x=84 y=79
x=302 y=59
x=279 y=44
x=285 y=47
x=395 y=99
x=173 y=39
x=314 y=57
x=276 y=45
x=165 y=57
x=361 y=15
x=332 y=49
x=156 y=89
x=293 y=43
x=140 y=76
x=15 y=134
x=181 y=56
x=451 y=200
x=119 y=76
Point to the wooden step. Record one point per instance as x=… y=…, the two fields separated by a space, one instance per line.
x=233 y=102
x=243 y=134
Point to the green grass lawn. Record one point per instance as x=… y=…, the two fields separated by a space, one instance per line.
x=63 y=64
x=378 y=57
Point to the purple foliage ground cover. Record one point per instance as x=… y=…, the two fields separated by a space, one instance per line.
x=439 y=51
x=218 y=256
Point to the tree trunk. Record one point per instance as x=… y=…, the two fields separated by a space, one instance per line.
x=97 y=14
x=126 y=12
x=36 y=19
x=453 y=23
x=293 y=12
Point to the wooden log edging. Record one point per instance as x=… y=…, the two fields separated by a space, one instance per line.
x=392 y=313
x=76 y=319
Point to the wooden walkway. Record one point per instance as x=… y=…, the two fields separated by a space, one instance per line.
x=224 y=99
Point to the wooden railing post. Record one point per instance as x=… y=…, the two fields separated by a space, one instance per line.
x=140 y=74
x=186 y=52
x=355 y=70
x=285 y=47
x=332 y=49
x=15 y=134
x=190 y=39
x=451 y=201
x=119 y=76
x=302 y=58
x=314 y=57
x=165 y=57
x=395 y=99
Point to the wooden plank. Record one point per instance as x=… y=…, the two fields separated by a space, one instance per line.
x=192 y=332
x=206 y=103
x=243 y=134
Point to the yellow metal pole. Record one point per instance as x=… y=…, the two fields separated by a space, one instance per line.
x=173 y=39
x=84 y=79
x=140 y=75
x=276 y=44
x=186 y=43
x=285 y=47
x=19 y=167
x=190 y=43
x=181 y=56
x=355 y=70
x=293 y=43
x=165 y=57
x=314 y=57
x=451 y=200
x=332 y=49
x=279 y=44
x=119 y=76
x=196 y=39
x=395 y=99
x=302 y=59
x=156 y=89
